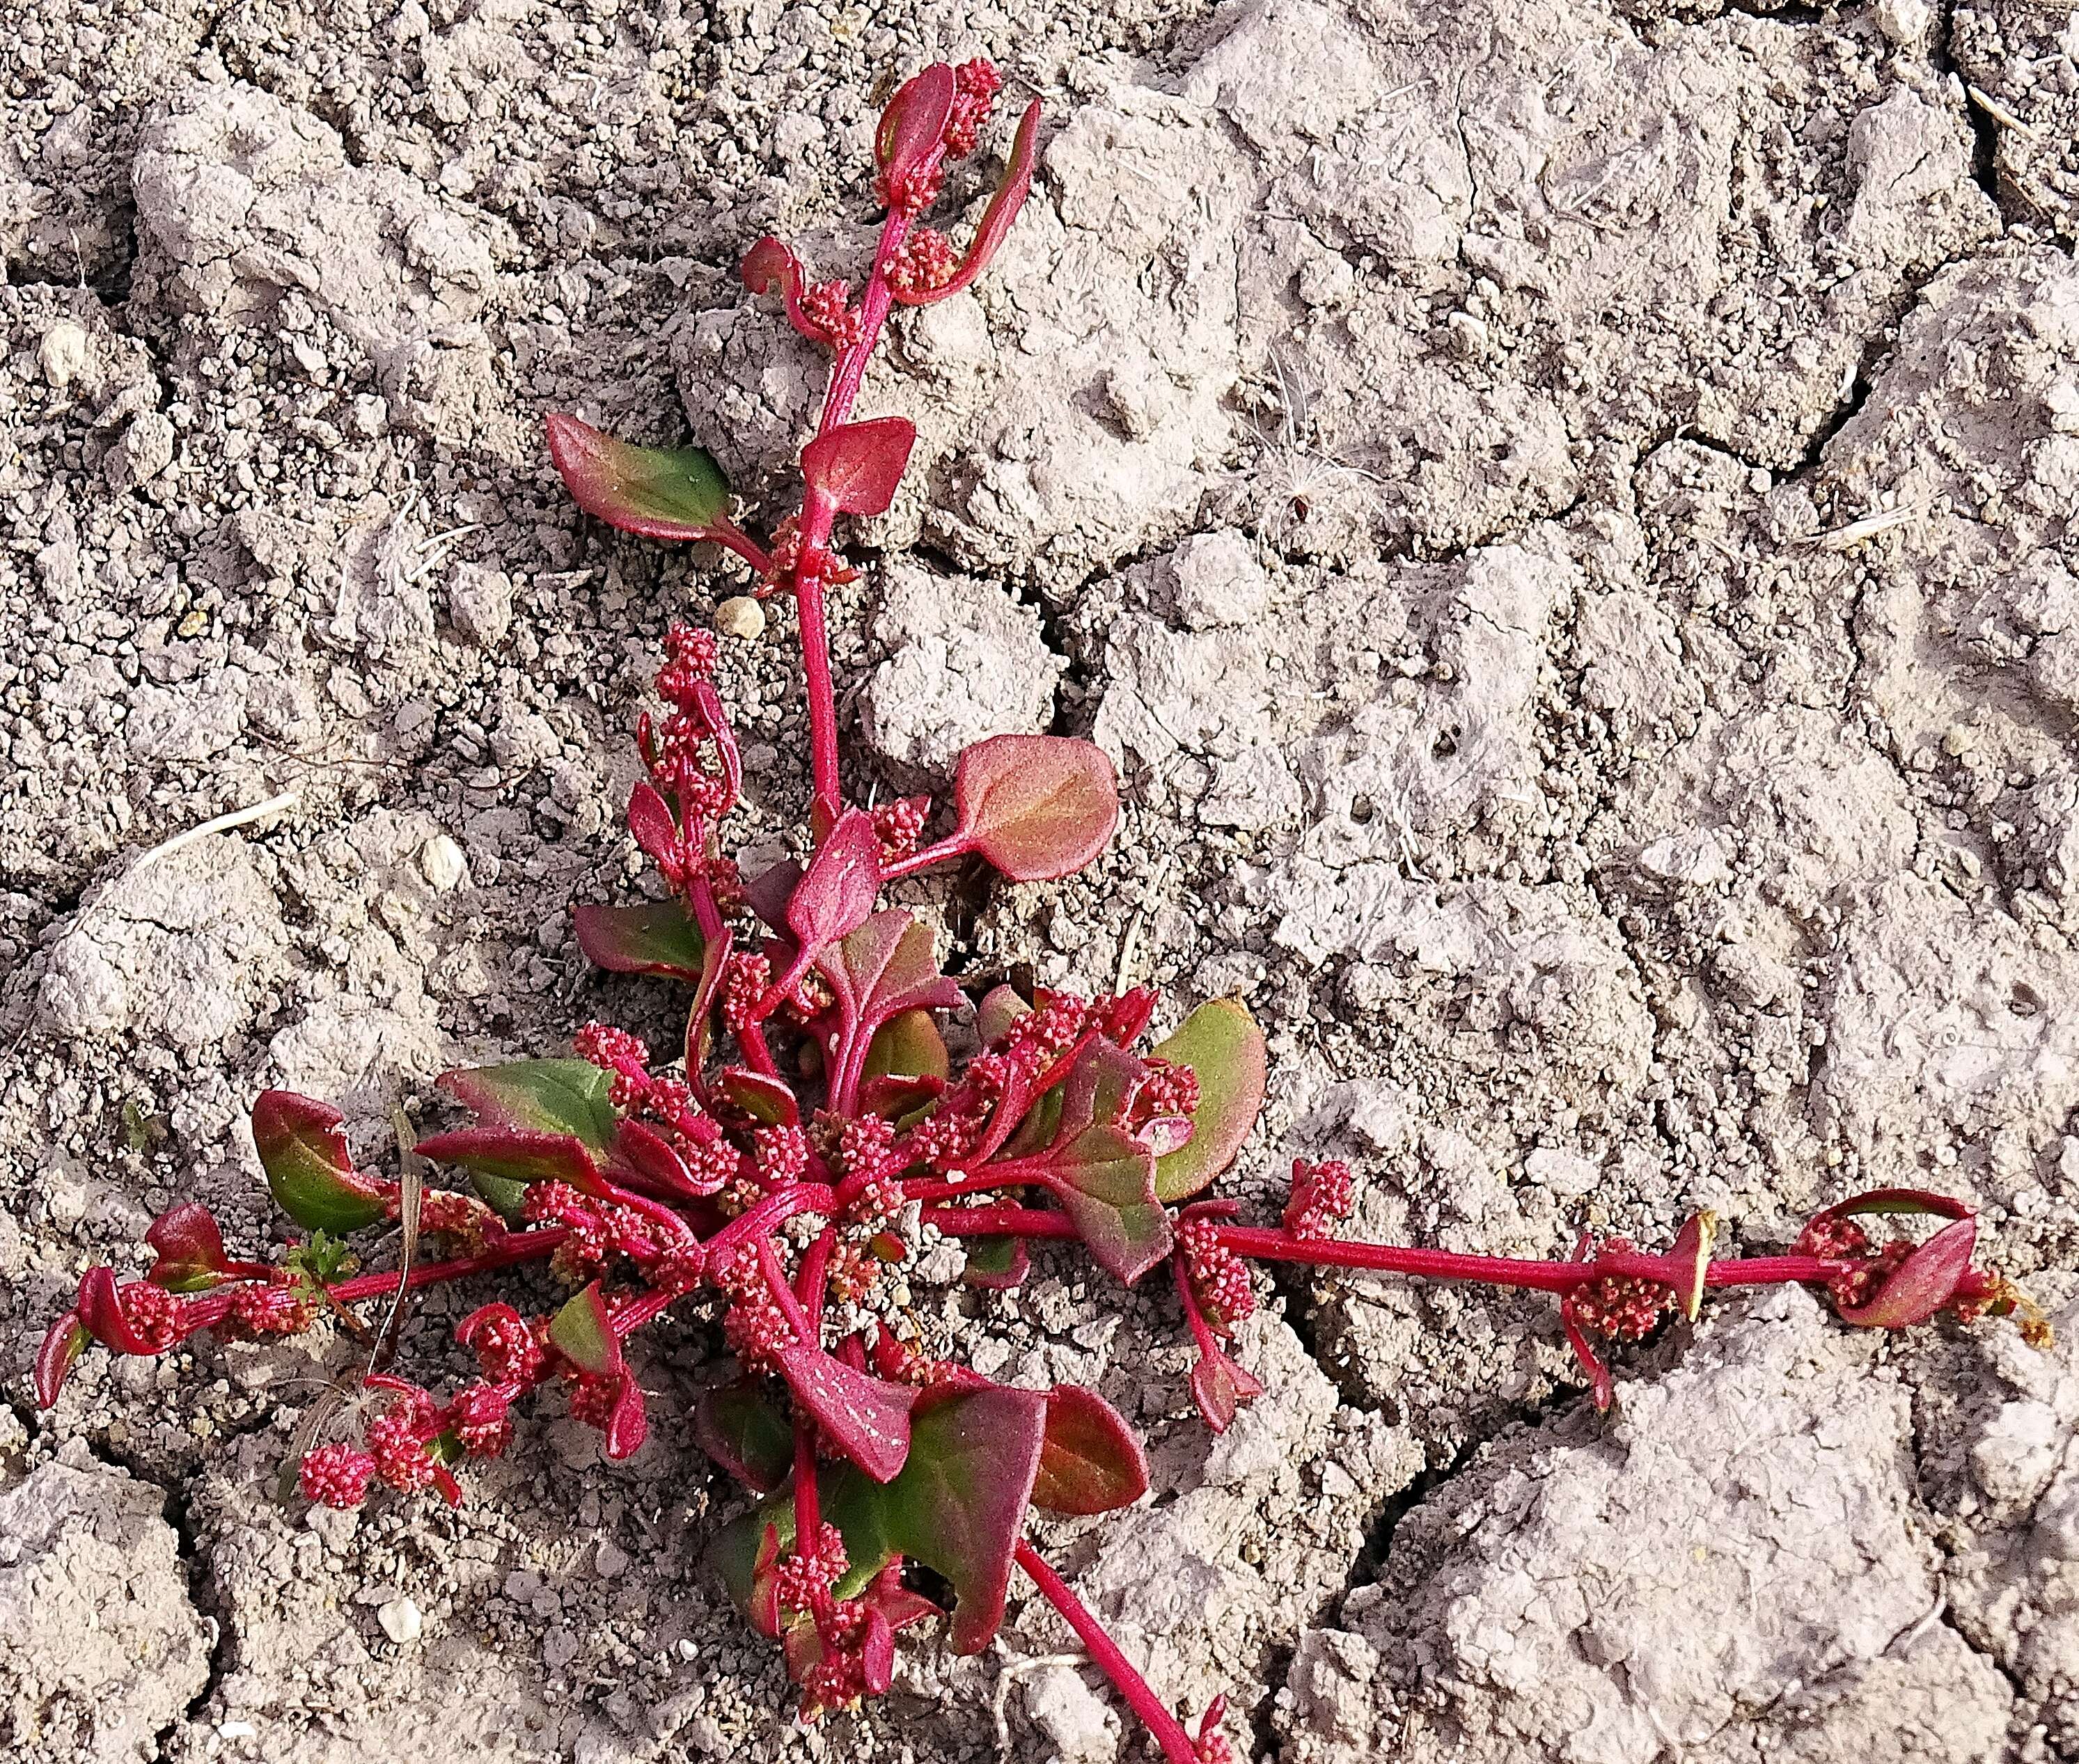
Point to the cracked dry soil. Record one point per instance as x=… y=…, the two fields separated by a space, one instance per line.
x=1567 y=515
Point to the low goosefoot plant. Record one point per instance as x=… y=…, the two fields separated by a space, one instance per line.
x=815 y=1133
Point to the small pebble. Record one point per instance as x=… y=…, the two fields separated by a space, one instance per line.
x=63 y=354
x=441 y=862
x=400 y=1620
x=740 y=616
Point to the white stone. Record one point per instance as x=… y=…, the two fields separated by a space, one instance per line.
x=401 y=1621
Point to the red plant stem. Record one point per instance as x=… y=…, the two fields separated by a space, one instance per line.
x=948 y=851
x=798 y=1319
x=520 y=1247
x=726 y=532
x=1202 y=1331
x=822 y=694
x=768 y=1215
x=1266 y=1245
x=1154 y=1713
x=984 y=1182
x=637 y=1312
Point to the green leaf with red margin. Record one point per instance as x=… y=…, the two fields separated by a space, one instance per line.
x=997 y=1263
x=1222 y=1045
x=741 y=1427
x=765 y=1099
x=539 y=1096
x=1104 y=1179
x=659 y=492
x=958 y=1506
x=1090 y=1462
x=582 y=1333
x=1036 y=806
x=653 y=938
x=309 y=1173
x=907 y=1046
x=503 y=1161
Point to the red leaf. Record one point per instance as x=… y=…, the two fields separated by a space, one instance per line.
x=766 y=1100
x=837 y=893
x=997 y=219
x=650 y=820
x=660 y=492
x=192 y=1258
x=856 y=469
x=627 y=1422
x=866 y=1418
x=1922 y=1284
x=1091 y=1461
x=63 y=1343
x=1219 y=1386
x=1036 y=806
x=643 y=1154
x=770 y=267
x=914 y=122
x=99 y=1307
x=1601 y=1385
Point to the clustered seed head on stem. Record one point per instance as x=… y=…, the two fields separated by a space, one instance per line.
x=813 y=1132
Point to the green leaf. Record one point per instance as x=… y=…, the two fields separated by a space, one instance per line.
x=998 y=1263
x=584 y=1335
x=907 y=1046
x=309 y=1173
x=1036 y=806
x=660 y=492
x=1220 y=1043
x=539 y=1096
x=655 y=938
x=741 y=1427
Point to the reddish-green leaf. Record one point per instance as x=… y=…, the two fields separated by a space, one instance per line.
x=1036 y=806
x=1106 y=1180
x=866 y=1417
x=856 y=469
x=660 y=492
x=540 y=1096
x=914 y=122
x=1692 y=1252
x=1923 y=1283
x=997 y=219
x=1222 y=1045
x=583 y=1333
x=647 y=1160
x=516 y=1155
x=1001 y=1006
x=885 y=967
x=1091 y=1462
x=1902 y=1202
x=771 y=267
x=743 y=1430
x=959 y=1505
x=308 y=1171
x=1219 y=1385
x=64 y=1342
x=1099 y=1086
x=766 y=1099
x=627 y=1421
x=836 y=894
x=997 y=1263
x=655 y=938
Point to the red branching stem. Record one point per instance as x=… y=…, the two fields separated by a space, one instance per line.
x=949 y=850
x=768 y=1215
x=1169 y=1732
x=797 y=1319
x=726 y=532
x=1202 y=1331
x=995 y=1221
x=638 y=1312
x=519 y=1247
x=996 y=1175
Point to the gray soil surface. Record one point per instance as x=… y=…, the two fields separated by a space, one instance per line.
x=1567 y=515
